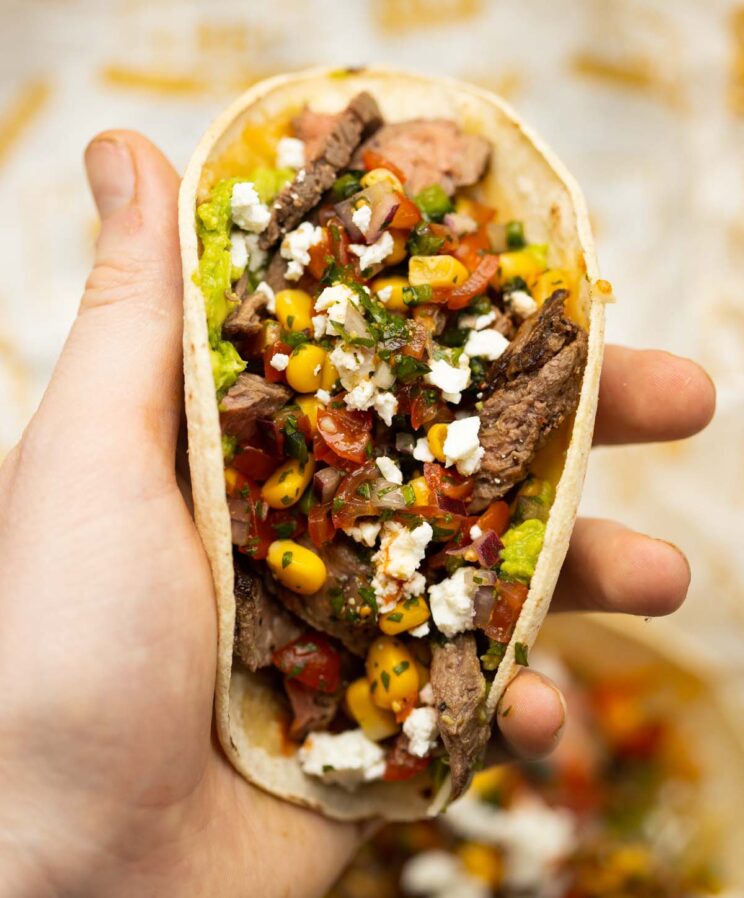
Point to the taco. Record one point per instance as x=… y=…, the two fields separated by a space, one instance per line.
x=393 y=339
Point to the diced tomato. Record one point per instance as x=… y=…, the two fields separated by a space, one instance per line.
x=447 y=482
x=449 y=247
x=320 y=256
x=350 y=501
x=446 y=524
x=286 y=523
x=471 y=248
x=407 y=215
x=509 y=600
x=255 y=463
x=270 y=373
x=320 y=524
x=419 y=339
x=372 y=159
x=476 y=284
x=323 y=452
x=401 y=764
x=495 y=517
x=338 y=241
x=260 y=533
x=426 y=407
x=312 y=661
x=347 y=432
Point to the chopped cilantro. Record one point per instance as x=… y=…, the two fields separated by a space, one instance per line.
x=520 y=653
x=416 y=296
x=285 y=529
x=433 y=202
x=395 y=617
x=401 y=668
x=385 y=677
x=493 y=656
x=409 y=494
x=515 y=235
x=422 y=242
x=408 y=369
x=286 y=559
x=347 y=184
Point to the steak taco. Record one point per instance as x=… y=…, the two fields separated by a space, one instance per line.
x=393 y=339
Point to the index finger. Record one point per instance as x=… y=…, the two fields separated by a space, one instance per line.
x=647 y=395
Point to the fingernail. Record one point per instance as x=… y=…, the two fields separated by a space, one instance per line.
x=678 y=551
x=110 y=174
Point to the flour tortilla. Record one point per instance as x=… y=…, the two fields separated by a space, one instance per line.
x=526 y=182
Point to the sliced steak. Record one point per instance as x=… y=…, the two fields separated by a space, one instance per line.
x=312 y=128
x=245 y=320
x=531 y=390
x=459 y=689
x=311 y=710
x=334 y=609
x=431 y=151
x=261 y=624
x=360 y=118
x=248 y=399
x=274 y=276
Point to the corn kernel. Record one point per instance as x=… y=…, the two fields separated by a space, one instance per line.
x=305 y=368
x=407 y=614
x=296 y=567
x=375 y=723
x=396 y=284
x=524 y=263
x=288 y=483
x=231 y=480
x=400 y=248
x=421 y=491
x=328 y=375
x=379 y=176
x=436 y=271
x=544 y=285
x=392 y=674
x=294 y=309
x=484 y=862
x=435 y=438
x=309 y=406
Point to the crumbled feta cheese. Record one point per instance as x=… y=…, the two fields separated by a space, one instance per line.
x=439 y=874
x=361 y=397
x=335 y=301
x=426 y=694
x=248 y=212
x=420 y=631
x=521 y=303
x=488 y=344
x=279 y=361
x=451 y=602
x=290 y=153
x=421 y=451
x=353 y=363
x=238 y=250
x=386 y=405
x=451 y=380
x=256 y=255
x=403 y=550
x=323 y=396
x=461 y=224
x=347 y=758
x=461 y=446
x=362 y=217
x=385 y=295
x=265 y=290
x=295 y=248
x=364 y=532
x=389 y=469
x=477 y=322
x=319 y=326
x=415 y=585
x=375 y=253
x=475 y=532
x=423 y=733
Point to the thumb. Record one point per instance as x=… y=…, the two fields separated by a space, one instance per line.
x=117 y=385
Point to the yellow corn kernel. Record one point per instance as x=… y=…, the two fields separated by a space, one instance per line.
x=287 y=483
x=375 y=723
x=483 y=862
x=399 y=251
x=391 y=671
x=309 y=406
x=396 y=285
x=305 y=368
x=294 y=309
x=544 y=285
x=231 y=480
x=296 y=567
x=407 y=614
x=421 y=491
x=524 y=263
x=435 y=437
x=329 y=374
x=381 y=175
x=436 y=271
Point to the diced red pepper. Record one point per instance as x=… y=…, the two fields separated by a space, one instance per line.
x=471 y=248
x=495 y=517
x=255 y=463
x=407 y=215
x=447 y=482
x=509 y=600
x=312 y=661
x=476 y=284
x=372 y=159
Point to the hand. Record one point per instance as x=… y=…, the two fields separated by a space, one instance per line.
x=110 y=779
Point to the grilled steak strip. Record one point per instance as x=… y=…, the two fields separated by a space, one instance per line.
x=531 y=390
x=245 y=320
x=360 y=118
x=250 y=398
x=311 y=710
x=261 y=624
x=460 y=700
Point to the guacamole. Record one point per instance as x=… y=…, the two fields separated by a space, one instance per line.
x=522 y=545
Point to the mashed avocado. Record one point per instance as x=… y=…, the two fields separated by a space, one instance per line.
x=522 y=546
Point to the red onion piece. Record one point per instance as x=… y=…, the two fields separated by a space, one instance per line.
x=483 y=602
x=383 y=211
x=325 y=483
x=460 y=224
x=455 y=506
x=488 y=548
x=239 y=532
x=384 y=202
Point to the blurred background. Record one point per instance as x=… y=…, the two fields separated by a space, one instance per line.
x=642 y=99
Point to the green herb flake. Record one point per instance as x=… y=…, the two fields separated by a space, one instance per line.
x=385 y=677
x=285 y=529
x=401 y=668
x=394 y=617
x=286 y=559
x=521 y=652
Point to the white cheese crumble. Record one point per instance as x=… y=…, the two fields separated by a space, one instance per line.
x=389 y=469
x=290 y=153
x=238 y=250
x=347 y=758
x=265 y=290
x=383 y=376
x=247 y=210
x=279 y=361
x=461 y=446
x=423 y=733
x=319 y=326
x=451 y=380
x=439 y=874
x=403 y=550
x=361 y=397
x=521 y=303
x=475 y=532
x=386 y=405
x=295 y=248
x=477 y=322
x=385 y=295
x=426 y=695
x=420 y=631
x=362 y=217
x=364 y=532
x=353 y=363
x=256 y=256
x=488 y=344
x=421 y=451
x=335 y=301
x=375 y=252
x=451 y=602
x=323 y=396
